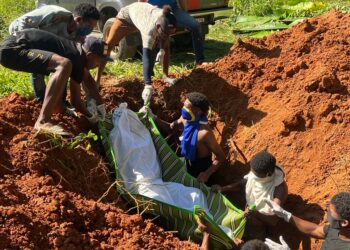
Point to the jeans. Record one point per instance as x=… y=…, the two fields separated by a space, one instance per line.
x=39 y=87
x=183 y=19
x=148 y=61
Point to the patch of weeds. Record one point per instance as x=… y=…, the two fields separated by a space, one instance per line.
x=15 y=81
x=83 y=139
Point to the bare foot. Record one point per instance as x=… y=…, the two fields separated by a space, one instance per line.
x=49 y=128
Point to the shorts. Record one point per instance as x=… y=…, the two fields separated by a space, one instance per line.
x=18 y=56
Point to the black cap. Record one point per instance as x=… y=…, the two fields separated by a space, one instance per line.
x=167 y=21
x=97 y=46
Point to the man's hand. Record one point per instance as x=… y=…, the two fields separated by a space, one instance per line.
x=170 y=81
x=101 y=111
x=203 y=177
x=160 y=56
x=147 y=110
x=216 y=188
x=91 y=106
x=71 y=112
x=276 y=246
x=93 y=118
x=147 y=94
x=277 y=210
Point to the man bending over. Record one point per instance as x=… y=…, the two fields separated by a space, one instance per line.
x=41 y=52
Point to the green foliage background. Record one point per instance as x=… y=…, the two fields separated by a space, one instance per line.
x=287 y=8
x=12 y=80
x=9 y=10
x=218 y=41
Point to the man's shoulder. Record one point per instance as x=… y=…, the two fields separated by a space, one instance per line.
x=205 y=131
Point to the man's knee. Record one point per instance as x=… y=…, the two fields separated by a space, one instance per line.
x=60 y=63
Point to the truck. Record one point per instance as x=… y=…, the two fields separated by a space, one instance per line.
x=204 y=11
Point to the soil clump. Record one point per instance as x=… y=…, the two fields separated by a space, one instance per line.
x=287 y=93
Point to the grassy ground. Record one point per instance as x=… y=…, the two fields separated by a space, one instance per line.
x=218 y=42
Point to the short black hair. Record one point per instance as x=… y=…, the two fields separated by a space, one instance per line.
x=167 y=20
x=198 y=100
x=341 y=202
x=255 y=245
x=86 y=12
x=263 y=163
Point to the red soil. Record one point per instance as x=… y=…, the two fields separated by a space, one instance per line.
x=287 y=93
x=49 y=193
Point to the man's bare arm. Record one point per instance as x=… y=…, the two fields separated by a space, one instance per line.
x=308 y=227
x=215 y=148
x=92 y=87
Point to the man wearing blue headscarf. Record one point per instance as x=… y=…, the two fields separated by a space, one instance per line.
x=198 y=142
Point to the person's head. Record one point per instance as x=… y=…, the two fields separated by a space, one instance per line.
x=338 y=211
x=166 y=23
x=255 y=245
x=85 y=17
x=195 y=105
x=95 y=51
x=263 y=164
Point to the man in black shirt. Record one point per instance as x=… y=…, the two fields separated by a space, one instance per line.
x=336 y=234
x=41 y=52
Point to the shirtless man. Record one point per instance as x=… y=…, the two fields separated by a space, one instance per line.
x=198 y=142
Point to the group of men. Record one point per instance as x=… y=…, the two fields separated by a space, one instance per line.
x=265 y=187
x=52 y=40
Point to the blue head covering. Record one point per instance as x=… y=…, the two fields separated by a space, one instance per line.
x=189 y=136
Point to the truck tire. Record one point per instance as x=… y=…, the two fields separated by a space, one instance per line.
x=184 y=41
x=123 y=51
x=105 y=14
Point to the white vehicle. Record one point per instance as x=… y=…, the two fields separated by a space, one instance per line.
x=202 y=10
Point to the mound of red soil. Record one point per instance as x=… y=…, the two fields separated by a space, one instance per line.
x=49 y=192
x=287 y=93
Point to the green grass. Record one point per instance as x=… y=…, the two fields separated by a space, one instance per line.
x=9 y=10
x=287 y=8
x=15 y=81
x=218 y=43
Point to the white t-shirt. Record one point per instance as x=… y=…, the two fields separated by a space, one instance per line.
x=144 y=17
x=51 y=18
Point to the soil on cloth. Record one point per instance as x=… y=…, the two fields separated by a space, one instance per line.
x=287 y=93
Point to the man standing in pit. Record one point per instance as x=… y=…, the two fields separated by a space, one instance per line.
x=61 y=22
x=198 y=143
